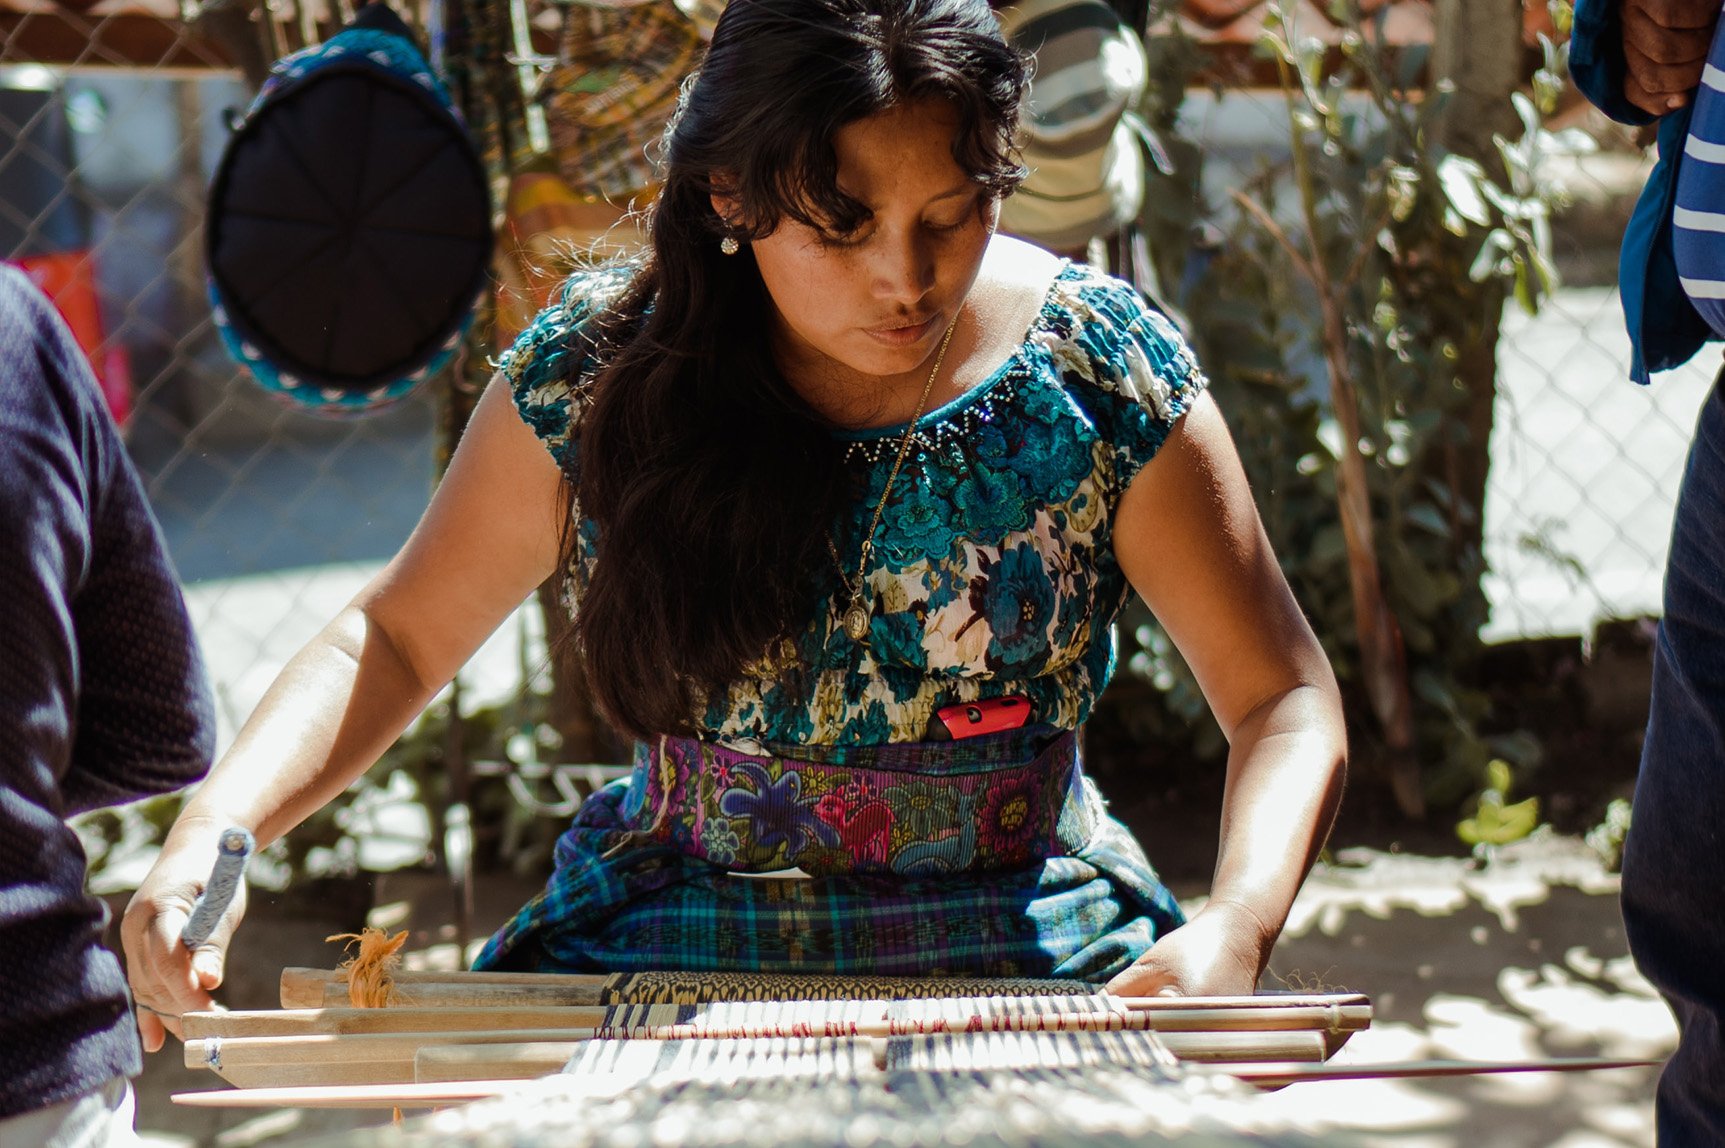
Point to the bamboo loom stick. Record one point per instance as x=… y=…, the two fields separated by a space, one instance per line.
x=302 y=985
x=324 y=988
x=303 y=988
x=431 y=994
x=264 y=1061
x=444 y=1093
x=1255 y=1001
x=1278 y=1075
x=221 y=1052
x=354 y=1021
x=256 y=1061
x=1168 y=1015
x=321 y=1075
x=317 y=988
x=406 y=1095
x=446 y=1063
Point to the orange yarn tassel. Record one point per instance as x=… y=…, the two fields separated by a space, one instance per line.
x=370 y=974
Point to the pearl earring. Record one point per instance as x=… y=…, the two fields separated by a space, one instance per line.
x=729 y=245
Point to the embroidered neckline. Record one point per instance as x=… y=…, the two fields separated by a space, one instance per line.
x=1017 y=365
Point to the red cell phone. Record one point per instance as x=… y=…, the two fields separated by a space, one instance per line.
x=990 y=715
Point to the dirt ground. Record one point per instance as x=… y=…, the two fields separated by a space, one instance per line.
x=1515 y=958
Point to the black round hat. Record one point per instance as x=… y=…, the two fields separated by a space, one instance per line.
x=349 y=225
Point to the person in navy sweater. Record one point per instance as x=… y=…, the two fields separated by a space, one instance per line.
x=103 y=700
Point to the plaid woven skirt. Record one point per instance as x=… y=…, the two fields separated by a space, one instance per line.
x=989 y=856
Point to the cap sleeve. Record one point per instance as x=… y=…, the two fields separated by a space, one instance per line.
x=1136 y=375
x=549 y=365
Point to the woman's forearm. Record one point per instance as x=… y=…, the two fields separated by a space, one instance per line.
x=1286 y=765
x=331 y=713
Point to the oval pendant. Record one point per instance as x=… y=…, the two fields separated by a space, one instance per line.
x=856 y=622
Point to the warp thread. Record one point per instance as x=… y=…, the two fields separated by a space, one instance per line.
x=370 y=974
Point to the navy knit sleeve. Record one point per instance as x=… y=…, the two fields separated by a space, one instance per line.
x=109 y=693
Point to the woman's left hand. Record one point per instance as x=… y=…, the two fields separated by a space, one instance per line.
x=1219 y=952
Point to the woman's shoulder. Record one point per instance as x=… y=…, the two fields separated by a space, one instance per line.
x=549 y=365
x=1062 y=299
x=1108 y=321
x=555 y=331
x=1120 y=360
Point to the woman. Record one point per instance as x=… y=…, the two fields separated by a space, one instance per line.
x=834 y=461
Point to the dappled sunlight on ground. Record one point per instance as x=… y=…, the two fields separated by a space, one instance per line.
x=1518 y=958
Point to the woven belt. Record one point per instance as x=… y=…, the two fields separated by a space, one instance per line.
x=916 y=810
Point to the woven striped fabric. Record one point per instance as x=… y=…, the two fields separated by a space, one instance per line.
x=685 y=988
x=1698 y=219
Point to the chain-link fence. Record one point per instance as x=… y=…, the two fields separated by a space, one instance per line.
x=1584 y=464
x=112 y=125
x=112 y=122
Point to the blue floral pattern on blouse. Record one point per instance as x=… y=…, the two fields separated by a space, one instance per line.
x=993 y=569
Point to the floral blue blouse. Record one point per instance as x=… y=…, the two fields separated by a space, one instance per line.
x=993 y=571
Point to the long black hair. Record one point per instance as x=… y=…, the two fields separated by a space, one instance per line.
x=711 y=482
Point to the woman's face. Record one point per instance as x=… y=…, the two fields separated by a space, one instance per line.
x=877 y=301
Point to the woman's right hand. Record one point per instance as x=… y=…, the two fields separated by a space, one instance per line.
x=167 y=979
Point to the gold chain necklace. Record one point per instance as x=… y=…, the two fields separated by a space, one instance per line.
x=855 y=618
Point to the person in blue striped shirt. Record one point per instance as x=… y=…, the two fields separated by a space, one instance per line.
x=1640 y=61
x=1698 y=217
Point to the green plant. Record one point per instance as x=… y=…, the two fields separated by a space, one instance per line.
x=1495 y=820
x=1344 y=315
x=1606 y=839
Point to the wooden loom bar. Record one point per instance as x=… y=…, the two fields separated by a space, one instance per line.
x=439 y=995
x=336 y=1021
x=664 y=1022
x=327 y=988
x=446 y=1063
x=303 y=988
x=271 y=1060
x=346 y=1021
